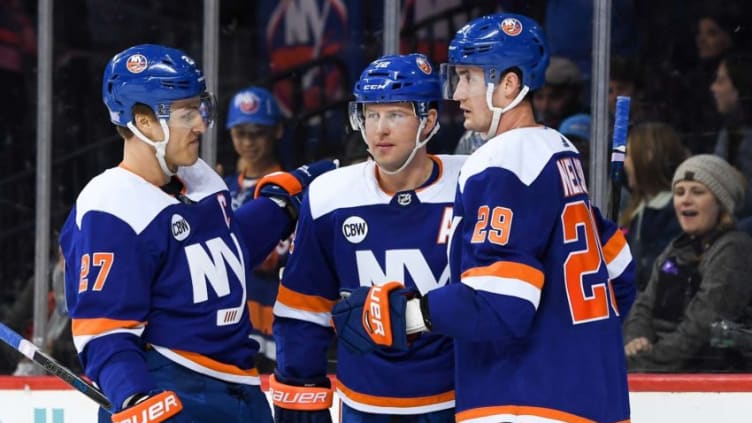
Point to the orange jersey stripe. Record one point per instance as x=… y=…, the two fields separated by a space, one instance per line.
x=509 y=270
x=261 y=316
x=216 y=365
x=519 y=410
x=614 y=246
x=296 y=300
x=83 y=327
x=395 y=402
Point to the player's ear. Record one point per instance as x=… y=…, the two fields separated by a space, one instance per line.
x=143 y=121
x=511 y=84
x=431 y=119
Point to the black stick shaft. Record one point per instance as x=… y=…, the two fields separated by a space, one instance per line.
x=25 y=347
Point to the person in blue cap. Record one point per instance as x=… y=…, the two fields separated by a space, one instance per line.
x=255 y=124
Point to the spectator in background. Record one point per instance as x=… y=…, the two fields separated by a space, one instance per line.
x=560 y=95
x=732 y=91
x=255 y=124
x=718 y=25
x=702 y=276
x=654 y=151
x=627 y=78
x=577 y=130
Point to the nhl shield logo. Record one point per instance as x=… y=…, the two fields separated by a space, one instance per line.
x=404 y=199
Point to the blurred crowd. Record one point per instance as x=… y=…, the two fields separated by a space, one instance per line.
x=687 y=66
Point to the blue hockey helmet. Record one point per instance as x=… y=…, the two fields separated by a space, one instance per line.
x=497 y=43
x=156 y=76
x=253 y=105
x=396 y=79
x=408 y=78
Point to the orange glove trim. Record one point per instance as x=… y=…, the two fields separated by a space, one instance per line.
x=152 y=410
x=285 y=180
x=303 y=398
x=376 y=317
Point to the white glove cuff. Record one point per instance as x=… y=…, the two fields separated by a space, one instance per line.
x=414 y=317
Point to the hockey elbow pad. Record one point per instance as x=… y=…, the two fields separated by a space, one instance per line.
x=150 y=409
x=297 y=401
x=286 y=188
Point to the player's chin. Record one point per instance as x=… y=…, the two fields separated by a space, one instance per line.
x=189 y=158
x=471 y=126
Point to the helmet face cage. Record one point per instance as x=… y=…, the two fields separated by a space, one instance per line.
x=254 y=105
x=497 y=43
x=156 y=76
x=396 y=79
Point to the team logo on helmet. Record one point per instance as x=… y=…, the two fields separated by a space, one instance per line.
x=248 y=103
x=423 y=65
x=136 y=63
x=511 y=27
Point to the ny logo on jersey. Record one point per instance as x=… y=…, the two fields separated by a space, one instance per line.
x=399 y=264
x=208 y=265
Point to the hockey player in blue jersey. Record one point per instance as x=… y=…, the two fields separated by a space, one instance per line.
x=363 y=225
x=255 y=124
x=539 y=280
x=157 y=261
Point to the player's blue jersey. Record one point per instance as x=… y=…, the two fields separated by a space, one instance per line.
x=350 y=233
x=264 y=280
x=539 y=282
x=147 y=268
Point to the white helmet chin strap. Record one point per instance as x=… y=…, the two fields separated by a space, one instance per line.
x=497 y=111
x=418 y=145
x=159 y=146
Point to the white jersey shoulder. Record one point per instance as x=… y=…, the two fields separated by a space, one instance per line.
x=357 y=185
x=201 y=180
x=344 y=187
x=522 y=151
x=125 y=195
x=135 y=201
x=443 y=189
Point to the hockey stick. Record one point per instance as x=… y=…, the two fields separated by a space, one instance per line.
x=618 y=152
x=12 y=338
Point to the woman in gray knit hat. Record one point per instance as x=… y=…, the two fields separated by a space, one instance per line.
x=701 y=277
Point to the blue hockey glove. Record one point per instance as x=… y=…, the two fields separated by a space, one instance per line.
x=287 y=188
x=297 y=401
x=373 y=316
